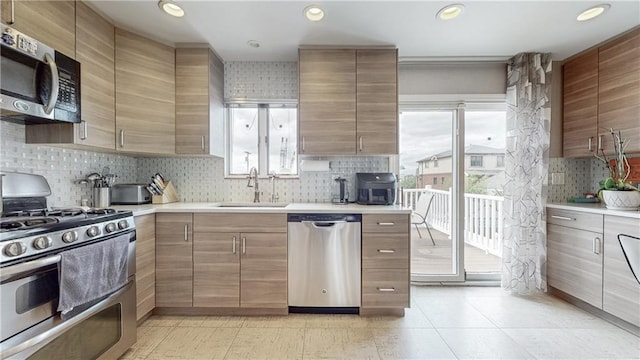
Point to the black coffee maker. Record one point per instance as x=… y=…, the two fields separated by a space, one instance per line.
x=376 y=188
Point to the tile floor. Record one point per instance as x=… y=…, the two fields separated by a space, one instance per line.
x=443 y=323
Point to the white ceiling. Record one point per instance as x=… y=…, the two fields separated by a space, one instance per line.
x=485 y=28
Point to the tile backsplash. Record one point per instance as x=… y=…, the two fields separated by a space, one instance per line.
x=261 y=80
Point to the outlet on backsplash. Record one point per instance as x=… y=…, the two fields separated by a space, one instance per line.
x=557 y=178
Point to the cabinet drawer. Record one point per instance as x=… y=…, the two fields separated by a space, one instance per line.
x=575 y=219
x=385 y=223
x=385 y=288
x=385 y=251
x=240 y=222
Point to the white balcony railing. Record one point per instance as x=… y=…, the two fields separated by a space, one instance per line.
x=482 y=216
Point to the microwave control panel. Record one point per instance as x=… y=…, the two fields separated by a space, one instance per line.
x=67 y=93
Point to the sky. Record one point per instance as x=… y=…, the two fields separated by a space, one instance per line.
x=428 y=132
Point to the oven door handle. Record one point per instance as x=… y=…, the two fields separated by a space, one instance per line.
x=64 y=326
x=28 y=266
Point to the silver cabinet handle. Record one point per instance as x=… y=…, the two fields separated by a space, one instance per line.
x=244 y=245
x=360 y=143
x=13 y=13
x=596 y=245
x=233 y=245
x=386 y=251
x=186 y=232
x=387 y=289
x=122 y=138
x=562 y=218
x=55 y=85
x=591 y=143
x=386 y=223
x=302 y=144
x=83 y=130
x=599 y=142
x=202 y=143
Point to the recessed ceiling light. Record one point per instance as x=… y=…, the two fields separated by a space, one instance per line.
x=253 y=43
x=314 y=13
x=592 y=12
x=450 y=11
x=171 y=8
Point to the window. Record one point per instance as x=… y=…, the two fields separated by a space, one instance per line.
x=500 y=161
x=435 y=163
x=435 y=180
x=476 y=161
x=426 y=164
x=264 y=136
x=442 y=180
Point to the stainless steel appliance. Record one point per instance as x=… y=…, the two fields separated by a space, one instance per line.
x=33 y=240
x=342 y=195
x=130 y=194
x=39 y=84
x=376 y=188
x=324 y=262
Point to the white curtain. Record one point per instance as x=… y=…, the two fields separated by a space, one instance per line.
x=526 y=167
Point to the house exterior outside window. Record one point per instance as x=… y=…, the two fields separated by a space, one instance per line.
x=500 y=161
x=435 y=181
x=476 y=161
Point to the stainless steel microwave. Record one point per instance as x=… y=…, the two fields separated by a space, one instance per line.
x=39 y=84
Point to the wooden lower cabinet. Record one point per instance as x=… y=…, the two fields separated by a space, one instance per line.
x=145 y=264
x=621 y=291
x=216 y=269
x=174 y=259
x=263 y=271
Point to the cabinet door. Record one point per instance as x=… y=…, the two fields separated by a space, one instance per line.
x=50 y=22
x=174 y=265
x=580 y=100
x=619 y=90
x=377 y=101
x=574 y=263
x=145 y=95
x=192 y=101
x=621 y=290
x=145 y=264
x=327 y=102
x=216 y=268
x=263 y=270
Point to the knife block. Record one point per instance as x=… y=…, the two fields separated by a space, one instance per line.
x=169 y=195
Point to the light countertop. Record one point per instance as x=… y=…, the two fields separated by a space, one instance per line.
x=595 y=208
x=214 y=207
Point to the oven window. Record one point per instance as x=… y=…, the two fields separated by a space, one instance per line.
x=87 y=340
x=42 y=289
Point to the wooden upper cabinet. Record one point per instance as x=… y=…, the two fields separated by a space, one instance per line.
x=174 y=260
x=377 y=101
x=619 y=90
x=580 y=110
x=49 y=22
x=145 y=95
x=327 y=101
x=199 y=102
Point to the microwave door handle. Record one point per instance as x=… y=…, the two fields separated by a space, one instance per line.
x=55 y=85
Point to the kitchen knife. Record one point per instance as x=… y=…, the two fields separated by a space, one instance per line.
x=151 y=190
x=158 y=182
x=156 y=188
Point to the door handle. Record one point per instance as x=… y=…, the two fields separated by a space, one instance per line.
x=83 y=130
x=386 y=223
x=122 y=138
x=562 y=218
x=596 y=245
x=55 y=85
x=202 y=143
x=233 y=244
x=386 y=251
x=386 y=289
x=186 y=232
x=590 y=143
x=244 y=245
x=599 y=142
x=360 y=144
x=302 y=144
x=13 y=12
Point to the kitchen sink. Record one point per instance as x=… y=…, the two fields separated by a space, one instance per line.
x=252 y=204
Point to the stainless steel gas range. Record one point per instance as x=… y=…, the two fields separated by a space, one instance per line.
x=83 y=259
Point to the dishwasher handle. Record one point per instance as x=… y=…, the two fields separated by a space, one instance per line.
x=323 y=224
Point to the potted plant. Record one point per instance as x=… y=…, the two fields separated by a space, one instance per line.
x=616 y=191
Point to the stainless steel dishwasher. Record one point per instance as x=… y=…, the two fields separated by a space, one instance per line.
x=324 y=262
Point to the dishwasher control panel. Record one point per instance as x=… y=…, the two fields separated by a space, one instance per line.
x=324 y=217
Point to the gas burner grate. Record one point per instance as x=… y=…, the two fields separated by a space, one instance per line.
x=66 y=212
x=101 y=211
x=10 y=225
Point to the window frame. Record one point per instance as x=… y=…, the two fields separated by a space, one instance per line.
x=471 y=161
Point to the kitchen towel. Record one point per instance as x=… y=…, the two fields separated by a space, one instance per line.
x=93 y=271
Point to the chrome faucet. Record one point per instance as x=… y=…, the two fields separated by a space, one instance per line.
x=274 y=196
x=253 y=182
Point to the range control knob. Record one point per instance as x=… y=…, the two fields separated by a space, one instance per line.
x=93 y=231
x=123 y=224
x=14 y=249
x=70 y=236
x=42 y=242
x=111 y=227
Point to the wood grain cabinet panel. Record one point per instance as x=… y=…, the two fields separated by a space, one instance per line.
x=145 y=95
x=385 y=288
x=619 y=90
x=263 y=270
x=580 y=110
x=145 y=264
x=216 y=269
x=50 y=22
x=385 y=251
x=174 y=260
x=199 y=102
x=377 y=101
x=621 y=291
x=94 y=46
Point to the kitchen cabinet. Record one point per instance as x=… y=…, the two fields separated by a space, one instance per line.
x=94 y=46
x=199 y=102
x=574 y=254
x=50 y=22
x=240 y=261
x=580 y=110
x=145 y=264
x=348 y=101
x=385 y=261
x=145 y=95
x=621 y=291
x=619 y=90
x=174 y=260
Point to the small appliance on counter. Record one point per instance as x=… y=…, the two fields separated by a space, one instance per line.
x=342 y=195
x=376 y=188
x=130 y=194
